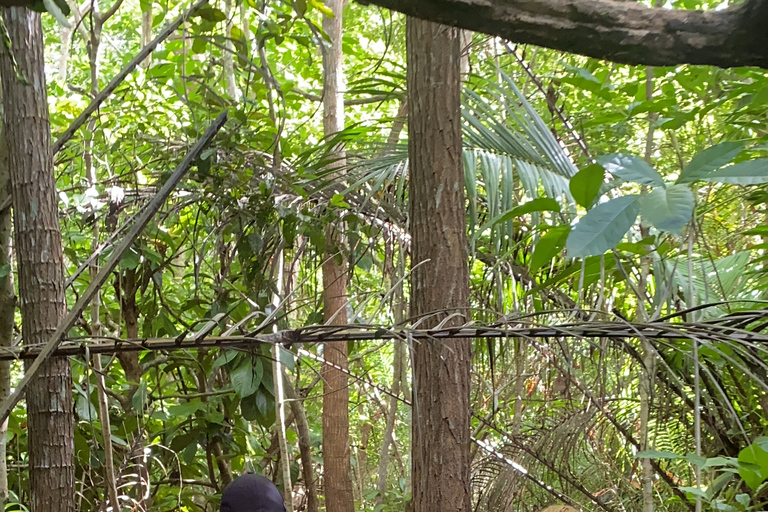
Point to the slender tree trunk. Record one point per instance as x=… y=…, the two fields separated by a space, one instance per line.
x=7 y=305
x=392 y=277
x=66 y=36
x=277 y=376
x=648 y=372
x=519 y=386
x=381 y=482
x=305 y=447
x=40 y=262
x=129 y=286
x=245 y=27
x=146 y=30
x=229 y=51
x=360 y=471
x=337 y=471
x=90 y=174
x=440 y=448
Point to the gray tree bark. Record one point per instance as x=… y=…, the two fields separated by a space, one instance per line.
x=7 y=305
x=337 y=472
x=625 y=32
x=440 y=284
x=40 y=262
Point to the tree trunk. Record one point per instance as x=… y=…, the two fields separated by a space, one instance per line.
x=128 y=286
x=146 y=30
x=305 y=447
x=392 y=276
x=277 y=376
x=90 y=174
x=229 y=51
x=647 y=374
x=337 y=471
x=440 y=449
x=40 y=262
x=7 y=305
x=66 y=36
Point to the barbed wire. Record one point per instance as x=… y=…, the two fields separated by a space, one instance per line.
x=743 y=327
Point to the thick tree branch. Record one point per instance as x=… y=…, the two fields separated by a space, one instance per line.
x=625 y=32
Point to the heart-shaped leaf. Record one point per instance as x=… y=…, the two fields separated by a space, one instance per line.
x=668 y=209
x=753 y=466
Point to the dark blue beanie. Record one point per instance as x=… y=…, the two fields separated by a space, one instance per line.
x=252 y=493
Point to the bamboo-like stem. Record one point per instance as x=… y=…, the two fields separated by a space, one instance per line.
x=696 y=375
x=277 y=375
x=647 y=372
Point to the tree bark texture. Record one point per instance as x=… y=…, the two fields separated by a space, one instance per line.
x=337 y=470
x=625 y=32
x=40 y=262
x=305 y=447
x=7 y=306
x=146 y=32
x=440 y=284
x=605 y=29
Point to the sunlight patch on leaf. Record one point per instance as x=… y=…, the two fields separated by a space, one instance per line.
x=668 y=209
x=631 y=168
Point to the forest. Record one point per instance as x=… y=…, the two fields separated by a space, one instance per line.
x=392 y=255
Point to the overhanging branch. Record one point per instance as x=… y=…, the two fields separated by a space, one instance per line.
x=625 y=32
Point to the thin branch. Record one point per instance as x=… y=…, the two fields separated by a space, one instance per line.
x=103 y=17
x=143 y=219
x=118 y=79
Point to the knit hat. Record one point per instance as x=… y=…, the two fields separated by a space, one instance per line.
x=252 y=493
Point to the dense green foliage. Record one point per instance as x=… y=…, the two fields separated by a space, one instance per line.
x=673 y=161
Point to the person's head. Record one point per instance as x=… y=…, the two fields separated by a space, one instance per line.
x=252 y=493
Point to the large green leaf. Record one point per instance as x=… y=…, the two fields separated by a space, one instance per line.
x=259 y=407
x=185 y=410
x=542 y=204
x=603 y=227
x=753 y=465
x=585 y=185
x=548 y=246
x=709 y=160
x=751 y=172
x=668 y=209
x=249 y=408
x=631 y=168
x=247 y=377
